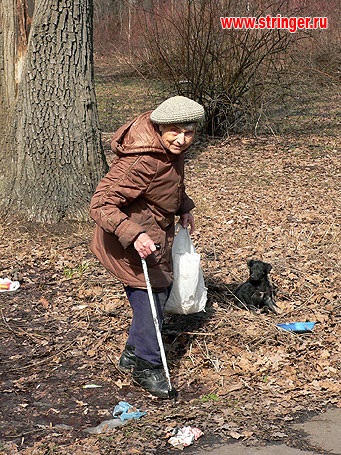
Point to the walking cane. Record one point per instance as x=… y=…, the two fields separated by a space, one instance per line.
x=172 y=393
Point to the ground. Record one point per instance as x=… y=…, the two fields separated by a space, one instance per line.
x=273 y=197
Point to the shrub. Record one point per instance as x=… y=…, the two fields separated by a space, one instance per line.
x=235 y=74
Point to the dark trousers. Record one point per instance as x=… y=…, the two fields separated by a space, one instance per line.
x=142 y=332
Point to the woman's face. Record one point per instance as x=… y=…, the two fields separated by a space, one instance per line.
x=177 y=138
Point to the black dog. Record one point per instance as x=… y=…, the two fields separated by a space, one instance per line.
x=257 y=292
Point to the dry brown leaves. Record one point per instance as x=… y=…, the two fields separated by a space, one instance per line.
x=274 y=199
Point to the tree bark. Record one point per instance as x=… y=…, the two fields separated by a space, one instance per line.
x=54 y=158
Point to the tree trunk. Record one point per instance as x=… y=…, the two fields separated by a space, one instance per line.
x=14 y=25
x=53 y=157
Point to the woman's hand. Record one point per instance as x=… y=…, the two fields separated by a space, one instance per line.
x=187 y=219
x=144 y=245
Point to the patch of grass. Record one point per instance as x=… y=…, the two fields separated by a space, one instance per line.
x=209 y=397
x=78 y=270
x=121 y=100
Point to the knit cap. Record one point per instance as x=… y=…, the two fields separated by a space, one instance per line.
x=178 y=109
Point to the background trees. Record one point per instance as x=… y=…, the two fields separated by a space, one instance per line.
x=237 y=74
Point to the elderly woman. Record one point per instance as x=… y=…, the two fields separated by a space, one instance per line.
x=134 y=207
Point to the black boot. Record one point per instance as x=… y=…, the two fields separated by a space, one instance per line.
x=127 y=359
x=151 y=377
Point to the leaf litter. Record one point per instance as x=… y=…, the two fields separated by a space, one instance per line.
x=239 y=377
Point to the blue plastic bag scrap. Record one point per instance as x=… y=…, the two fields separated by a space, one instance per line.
x=127 y=412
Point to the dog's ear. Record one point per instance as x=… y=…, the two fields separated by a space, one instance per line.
x=250 y=263
x=268 y=267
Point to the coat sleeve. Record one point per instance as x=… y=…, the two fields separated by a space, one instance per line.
x=186 y=204
x=125 y=182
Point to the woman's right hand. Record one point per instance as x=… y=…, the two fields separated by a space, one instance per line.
x=144 y=245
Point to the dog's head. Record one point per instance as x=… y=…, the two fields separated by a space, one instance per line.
x=258 y=269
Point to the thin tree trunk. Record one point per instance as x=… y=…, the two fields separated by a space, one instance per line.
x=56 y=158
x=7 y=49
x=13 y=44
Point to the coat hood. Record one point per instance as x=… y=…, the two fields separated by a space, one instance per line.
x=137 y=136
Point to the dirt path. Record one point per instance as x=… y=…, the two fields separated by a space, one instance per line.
x=318 y=435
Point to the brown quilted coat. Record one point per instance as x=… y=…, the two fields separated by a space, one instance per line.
x=142 y=192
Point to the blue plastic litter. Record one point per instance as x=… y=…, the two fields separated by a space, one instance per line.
x=297 y=327
x=127 y=412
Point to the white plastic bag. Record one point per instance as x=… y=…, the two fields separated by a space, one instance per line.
x=188 y=294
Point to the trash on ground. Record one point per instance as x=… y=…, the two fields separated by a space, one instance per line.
x=105 y=426
x=91 y=386
x=127 y=411
x=297 y=327
x=184 y=437
x=7 y=285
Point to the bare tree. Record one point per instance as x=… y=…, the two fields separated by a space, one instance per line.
x=52 y=157
x=226 y=70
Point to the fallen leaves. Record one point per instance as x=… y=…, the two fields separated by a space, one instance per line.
x=60 y=332
x=44 y=302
